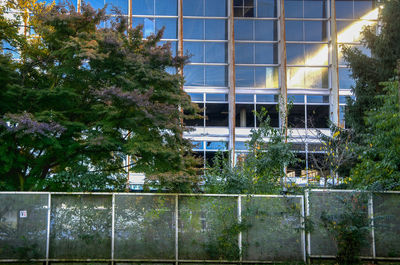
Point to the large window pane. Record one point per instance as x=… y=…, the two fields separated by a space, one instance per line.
x=315 y=30
x=195 y=122
x=216 y=52
x=266 y=77
x=266 y=8
x=215 y=29
x=316 y=77
x=294 y=8
x=166 y=7
x=194 y=75
x=148 y=27
x=317 y=116
x=122 y=5
x=244 y=53
x=195 y=51
x=265 y=30
x=345 y=79
x=344 y=9
x=217 y=114
x=193 y=29
x=295 y=53
x=244 y=76
x=362 y=7
x=294 y=30
x=244 y=115
x=296 y=118
x=143 y=7
x=193 y=8
x=244 y=30
x=272 y=112
x=315 y=8
x=170 y=24
x=266 y=53
x=316 y=54
x=295 y=77
x=215 y=8
x=216 y=76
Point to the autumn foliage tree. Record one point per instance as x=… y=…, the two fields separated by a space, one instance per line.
x=83 y=96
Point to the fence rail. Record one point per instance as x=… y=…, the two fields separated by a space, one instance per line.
x=126 y=228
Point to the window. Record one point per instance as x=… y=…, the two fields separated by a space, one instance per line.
x=243 y=8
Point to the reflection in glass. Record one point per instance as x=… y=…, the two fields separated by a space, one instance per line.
x=345 y=79
x=193 y=29
x=194 y=75
x=216 y=75
x=216 y=52
x=307 y=77
x=122 y=6
x=217 y=114
x=266 y=53
x=315 y=8
x=317 y=116
x=148 y=27
x=296 y=117
x=193 y=8
x=244 y=76
x=315 y=30
x=195 y=51
x=272 y=112
x=244 y=29
x=166 y=7
x=215 y=29
x=244 y=53
x=244 y=98
x=170 y=24
x=265 y=30
x=215 y=8
x=266 y=8
x=266 y=77
x=143 y=7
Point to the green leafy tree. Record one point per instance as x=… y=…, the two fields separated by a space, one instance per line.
x=379 y=166
x=261 y=170
x=369 y=71
x=82 y=97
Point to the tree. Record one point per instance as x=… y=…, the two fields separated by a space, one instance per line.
x=379 y=166
x=82 y=97
x=369 y=72
x=261 y=170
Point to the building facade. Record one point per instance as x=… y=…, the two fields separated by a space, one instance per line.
x=253 y=54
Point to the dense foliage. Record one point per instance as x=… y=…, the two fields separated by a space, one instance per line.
x=261 y=170
x=369 y=71
x=85 y=93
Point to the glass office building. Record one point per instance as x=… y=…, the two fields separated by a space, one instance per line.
x=253 y=54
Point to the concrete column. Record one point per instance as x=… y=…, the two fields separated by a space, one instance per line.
x=282 y=69
x=231 y=80
x=334 y=93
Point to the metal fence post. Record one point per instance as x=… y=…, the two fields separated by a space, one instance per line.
x=371 y=217
x=307 y=215
x=48 y=229
x=239 y=209
x=112 y=228
x=176 y=230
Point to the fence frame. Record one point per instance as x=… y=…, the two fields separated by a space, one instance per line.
x=176 y=261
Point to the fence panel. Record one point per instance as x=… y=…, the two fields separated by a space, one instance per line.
x=23 y=226
x=208 y=228
x=330 y=209
x=144 y=227
x=273 y=228
x=387 y=224
x=80 y=226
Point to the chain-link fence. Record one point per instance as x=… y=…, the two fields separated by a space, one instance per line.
x=135 y=228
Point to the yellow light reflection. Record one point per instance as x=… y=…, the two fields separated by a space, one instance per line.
x=299 y=77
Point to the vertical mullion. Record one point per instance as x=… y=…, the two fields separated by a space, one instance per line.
x=231 y=81
x=334 y=98
x=48 y=229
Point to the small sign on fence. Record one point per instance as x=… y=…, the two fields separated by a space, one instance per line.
x=23 y=214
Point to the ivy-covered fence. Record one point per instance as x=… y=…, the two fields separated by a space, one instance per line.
x=132 y=228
